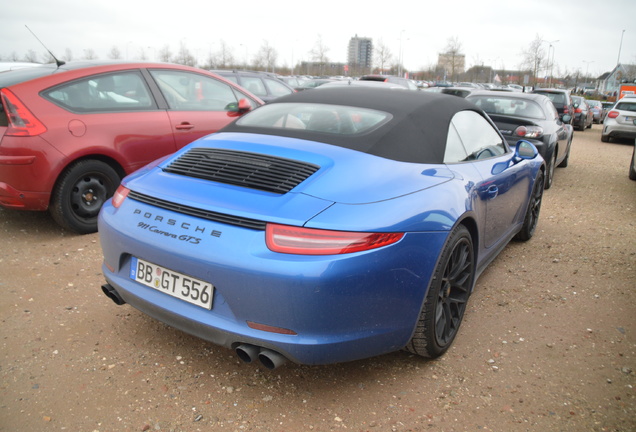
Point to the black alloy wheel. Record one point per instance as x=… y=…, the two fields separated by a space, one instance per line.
x=447 y=297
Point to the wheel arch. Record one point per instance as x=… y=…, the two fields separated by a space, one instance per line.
x=121 y=172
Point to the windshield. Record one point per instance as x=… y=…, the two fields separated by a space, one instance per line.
x=331 y=119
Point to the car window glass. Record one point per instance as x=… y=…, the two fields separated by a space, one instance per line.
x=253 y=85
x=508 y=106
x=323 y=118
x=188 y=91
x=479 y=138
x=455 y=151
x=277 y=88
x=122 y=91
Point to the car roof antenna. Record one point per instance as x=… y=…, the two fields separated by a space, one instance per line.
x=57 y=62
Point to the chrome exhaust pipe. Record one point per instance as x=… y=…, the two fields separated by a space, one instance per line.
x=112 y=294
x=248 y=353
x=271 y=359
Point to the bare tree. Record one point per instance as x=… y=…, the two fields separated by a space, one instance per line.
x=89 y=54
x=382 y=55
x=114 y=53
x=319 y=54
x=533 y=57
x=184 y=56
x=266 y=57
x=31 y=56
x=165 y=54
x=453 y=58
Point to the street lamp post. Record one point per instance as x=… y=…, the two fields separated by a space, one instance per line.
x=618 y=60
x=551 y=62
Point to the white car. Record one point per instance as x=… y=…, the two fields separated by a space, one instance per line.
x=620 y=122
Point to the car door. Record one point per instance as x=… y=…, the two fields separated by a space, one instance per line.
x=112 y=114
x=197 y=103
x=501 y=195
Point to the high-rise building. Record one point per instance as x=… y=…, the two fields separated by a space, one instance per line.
x=360 y=56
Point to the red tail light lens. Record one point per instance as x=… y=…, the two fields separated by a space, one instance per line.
x=529 y=131
x=120 y=195
x=22 y=122
x=309 y=241
x=613 y=114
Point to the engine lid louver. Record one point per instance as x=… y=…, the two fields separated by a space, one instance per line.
x=251 y=170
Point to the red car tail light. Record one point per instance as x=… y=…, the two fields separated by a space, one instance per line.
x=120 y=195
x=22 y=122
x=529 y=131
x=613 y=114
x=309 y=241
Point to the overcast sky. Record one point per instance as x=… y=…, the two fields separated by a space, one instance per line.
x=491 y=32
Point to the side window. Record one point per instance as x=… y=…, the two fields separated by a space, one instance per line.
x=122 y=91
x=254 y=85
x=478 y=138
x=277 y=88
x=188 y=91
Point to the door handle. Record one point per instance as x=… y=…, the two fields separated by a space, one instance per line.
x=184 y=126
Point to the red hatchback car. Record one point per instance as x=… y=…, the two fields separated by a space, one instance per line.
x=68 y=134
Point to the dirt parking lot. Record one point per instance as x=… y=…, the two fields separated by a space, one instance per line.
x=548 y=342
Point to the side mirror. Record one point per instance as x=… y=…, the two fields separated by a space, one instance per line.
x=235 y=109
x=523 y=150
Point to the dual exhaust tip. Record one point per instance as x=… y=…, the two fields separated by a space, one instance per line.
x=246 y=352
x=268 y=358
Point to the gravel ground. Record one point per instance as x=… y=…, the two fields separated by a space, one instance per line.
x=548 y=342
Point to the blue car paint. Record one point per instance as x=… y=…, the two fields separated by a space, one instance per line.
x=342 y=307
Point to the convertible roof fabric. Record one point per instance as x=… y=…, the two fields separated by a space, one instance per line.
x=416 y=133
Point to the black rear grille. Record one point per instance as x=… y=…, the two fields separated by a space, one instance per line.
x=251 y=170
x=196 y=212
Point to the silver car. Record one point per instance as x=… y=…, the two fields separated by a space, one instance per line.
x=620 y=122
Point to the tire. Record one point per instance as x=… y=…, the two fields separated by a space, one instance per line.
x=564 y=163
x=532 y=213
x=80 y=192
x=550 y=171
x=447 y=296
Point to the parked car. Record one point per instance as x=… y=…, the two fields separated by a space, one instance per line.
x=597 y=110
x=262 y=84
x=407 y=83
x=607 y=106
x=583 y=116
x=313 y=83
x=326 y=226
x=532 y=117
x=69 y=134
x=632 y=165
x=561 y=100
x=620 y=122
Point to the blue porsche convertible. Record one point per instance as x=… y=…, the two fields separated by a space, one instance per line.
x=327 y=226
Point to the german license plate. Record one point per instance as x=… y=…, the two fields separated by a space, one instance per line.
x=173 y=283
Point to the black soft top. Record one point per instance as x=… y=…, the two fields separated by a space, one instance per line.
x=417 y=131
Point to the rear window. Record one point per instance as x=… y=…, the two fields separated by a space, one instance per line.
x=329 y=119
x=509 y=106
x=626 y=106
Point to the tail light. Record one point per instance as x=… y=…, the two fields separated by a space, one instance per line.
x=613 y=114
x=120 y=195
x=529 y=131
x=22 y=122
x=309 y=241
